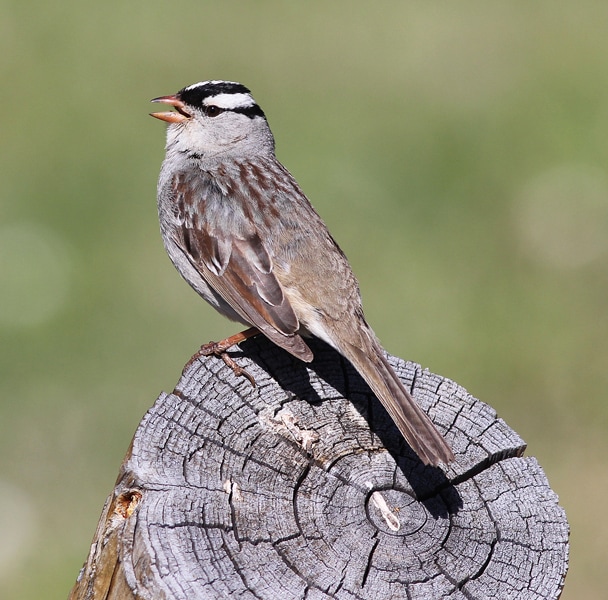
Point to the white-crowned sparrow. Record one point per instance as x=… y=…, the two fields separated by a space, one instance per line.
x=243 y=234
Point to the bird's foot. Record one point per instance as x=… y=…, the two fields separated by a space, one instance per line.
x=220 y=349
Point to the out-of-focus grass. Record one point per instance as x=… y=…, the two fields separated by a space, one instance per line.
x=457 y=151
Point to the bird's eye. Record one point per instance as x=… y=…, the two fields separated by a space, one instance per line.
x=213 y=111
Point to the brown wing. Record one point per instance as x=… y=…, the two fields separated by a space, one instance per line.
x=224 y=247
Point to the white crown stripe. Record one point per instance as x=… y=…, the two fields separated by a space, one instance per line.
x=210 y=82
x=230 y=101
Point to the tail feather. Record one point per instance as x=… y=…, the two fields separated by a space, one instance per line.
x=413 y=423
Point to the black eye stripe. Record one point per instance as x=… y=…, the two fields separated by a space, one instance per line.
x=252 y=111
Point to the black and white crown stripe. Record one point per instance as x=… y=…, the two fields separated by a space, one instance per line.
x=224 y=95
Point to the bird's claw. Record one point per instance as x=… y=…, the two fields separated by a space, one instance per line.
x=219 y=349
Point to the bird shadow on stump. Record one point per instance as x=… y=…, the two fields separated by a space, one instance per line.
x=292 y=375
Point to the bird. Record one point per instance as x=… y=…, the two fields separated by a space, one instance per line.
x=239 y=229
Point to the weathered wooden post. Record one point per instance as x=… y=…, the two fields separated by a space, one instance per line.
x=303 y=488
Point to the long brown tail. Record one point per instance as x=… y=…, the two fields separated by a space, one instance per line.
x=414 y=424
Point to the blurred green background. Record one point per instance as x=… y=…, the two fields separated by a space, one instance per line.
x=457 y=151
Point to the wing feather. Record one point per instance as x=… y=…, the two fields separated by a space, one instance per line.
x=233 y=260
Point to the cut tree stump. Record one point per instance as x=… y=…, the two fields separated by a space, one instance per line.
x=302 y=488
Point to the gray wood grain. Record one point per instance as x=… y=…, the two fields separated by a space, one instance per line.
x=303 y=488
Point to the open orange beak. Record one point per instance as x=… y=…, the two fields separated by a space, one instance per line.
x=179 y=116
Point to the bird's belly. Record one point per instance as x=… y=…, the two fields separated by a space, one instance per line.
x=199 y=285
